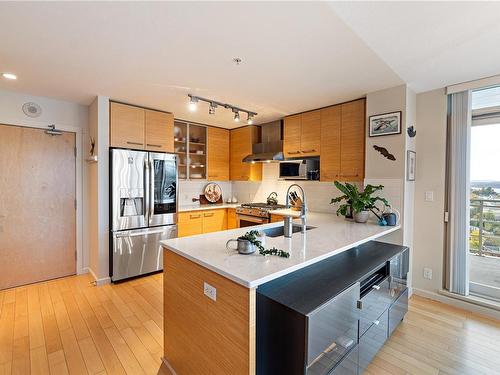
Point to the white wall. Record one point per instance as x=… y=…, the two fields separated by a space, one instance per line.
x=192 y=189
x=318 y=194
x=98 y=187
x=67 y=116
x=431 y=167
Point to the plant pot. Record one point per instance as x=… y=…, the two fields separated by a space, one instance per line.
x=361 y=217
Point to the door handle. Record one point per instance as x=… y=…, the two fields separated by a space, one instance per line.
x=293 y=152
x=151 y=191
x=134 y=143
x=376 y=287
x=349 y=175
x=209 y=215
x=307 y=151
x=194 y=216
x=152 y=145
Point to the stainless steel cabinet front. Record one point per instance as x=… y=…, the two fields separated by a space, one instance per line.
x=332 y=331
x=373 y=339
x=398 y=311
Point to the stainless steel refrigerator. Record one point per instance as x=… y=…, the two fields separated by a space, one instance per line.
x=143 y=201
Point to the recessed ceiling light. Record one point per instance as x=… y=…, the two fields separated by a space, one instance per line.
x=9 y=75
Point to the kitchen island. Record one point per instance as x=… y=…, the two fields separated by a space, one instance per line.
x=210 y=292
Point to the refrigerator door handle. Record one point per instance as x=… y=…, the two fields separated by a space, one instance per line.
x=146 y=190
x=151 y=190
x=135 y=234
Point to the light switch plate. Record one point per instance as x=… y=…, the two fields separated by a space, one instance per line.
x=429 y=196
x=427 y=273
x=210 y=291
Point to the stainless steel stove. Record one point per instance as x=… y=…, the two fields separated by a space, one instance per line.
x=250 y=214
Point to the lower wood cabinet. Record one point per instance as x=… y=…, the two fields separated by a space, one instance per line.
x=232 y=222
x=277 y=218
x=202 y=221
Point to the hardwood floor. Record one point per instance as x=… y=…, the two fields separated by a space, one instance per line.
x=70 y=326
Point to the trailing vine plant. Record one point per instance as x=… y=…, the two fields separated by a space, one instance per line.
x=252 y=236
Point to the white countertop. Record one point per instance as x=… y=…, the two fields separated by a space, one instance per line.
x=332 y=236
x=199 y=207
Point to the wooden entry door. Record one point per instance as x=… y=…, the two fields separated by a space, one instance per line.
x=37 y=206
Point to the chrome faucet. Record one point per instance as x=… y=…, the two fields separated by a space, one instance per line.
x=288 y=230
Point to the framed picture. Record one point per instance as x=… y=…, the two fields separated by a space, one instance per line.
x=385 y=124
x=411 y=164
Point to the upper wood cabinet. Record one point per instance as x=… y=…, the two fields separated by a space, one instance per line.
x=352 y=156
x=141 y=129
x=343 y=142
x=218 y=154
x=242 y=140
x=331 y=121
x=310 y=139
x=291 y=136
x=159 y=131
x=302 y=135
x=126 y=126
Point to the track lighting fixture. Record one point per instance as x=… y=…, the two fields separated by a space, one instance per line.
x=213 y=104
x=193 y=101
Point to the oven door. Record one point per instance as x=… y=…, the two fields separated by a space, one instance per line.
x=249 y=221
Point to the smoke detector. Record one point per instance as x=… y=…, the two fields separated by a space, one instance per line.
x=32 y=109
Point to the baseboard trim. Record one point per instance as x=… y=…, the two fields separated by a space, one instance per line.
x=470 y=303
x=97 y=281
x=164 y=360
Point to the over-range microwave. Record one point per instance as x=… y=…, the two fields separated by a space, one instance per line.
x=306 y=169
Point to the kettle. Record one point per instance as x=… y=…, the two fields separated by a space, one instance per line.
x=272 y=199
x=391 y=218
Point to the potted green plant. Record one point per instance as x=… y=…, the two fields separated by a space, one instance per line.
x=360 y=203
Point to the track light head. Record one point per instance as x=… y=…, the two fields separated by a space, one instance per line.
x=211 y=108
x=193 y=101
x=236 y=116
x=249 y=119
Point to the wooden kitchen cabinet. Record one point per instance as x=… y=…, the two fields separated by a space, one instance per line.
x=242 y=140
x=277 y=218
x=202 y=221
x=190 y=223
x=331 y=121
x=310 y=133
x=232 y=222
x=302 y=136
x=343 y=142
x=126 y=126
x=159 y=131
x=291 y=136
x=218 y=152
x=141 y=129
x=352 y=156
x=214 y=220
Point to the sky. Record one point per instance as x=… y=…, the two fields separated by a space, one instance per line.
x=485 y=153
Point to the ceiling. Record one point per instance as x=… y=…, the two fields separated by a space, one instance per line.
x=295 y=56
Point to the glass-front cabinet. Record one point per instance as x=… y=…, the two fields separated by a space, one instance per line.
x=190 y=142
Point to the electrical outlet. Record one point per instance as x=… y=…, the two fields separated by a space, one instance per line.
x=210 y=291
x=429 y=196
x=428 y=273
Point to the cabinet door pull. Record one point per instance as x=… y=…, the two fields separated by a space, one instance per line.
x=308 y=151
x=152 y=145
x=134 y=143
x=376 y=322
x=349 y=175
x=376 y=287
x=194 y=216
x=209 y=215
x=359 y=304
x=293 y=152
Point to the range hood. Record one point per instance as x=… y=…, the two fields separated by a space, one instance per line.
x=271 y=147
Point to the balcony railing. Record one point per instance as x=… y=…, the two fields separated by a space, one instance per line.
x=484 y=237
